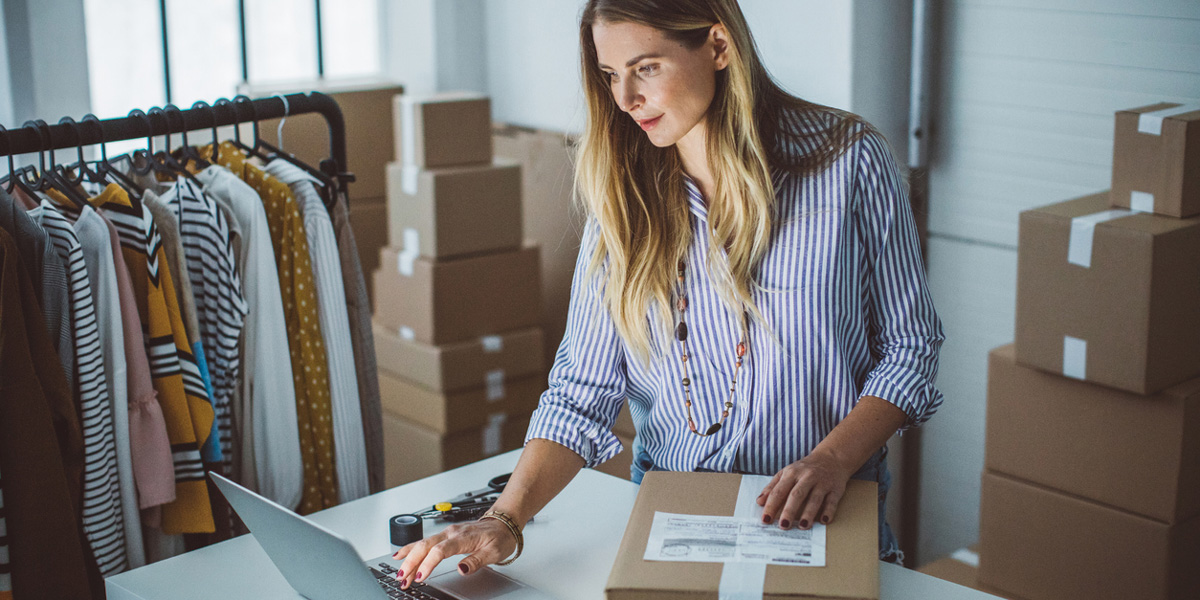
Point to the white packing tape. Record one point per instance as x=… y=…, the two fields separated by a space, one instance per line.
x=410 y=178
x=967 y=556
x=408 y=134
x=1083 y=229
x=495 y=385
x=744 y=581
x=492 y=343
x=1074 y=357
x=493 y=434
x=1141 y=201
x=1151 y=122
x=407 y=334
x=407 y=256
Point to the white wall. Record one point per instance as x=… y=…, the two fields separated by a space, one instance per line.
x=47 y=56
x=6 y=107
x=1027 y=92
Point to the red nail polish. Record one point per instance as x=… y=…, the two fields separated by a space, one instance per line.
x=803 y=523
x=462 y=568
x=418 y=577
x=785 y=523
x=825 y=519
x=400 y=573
x=767 y=519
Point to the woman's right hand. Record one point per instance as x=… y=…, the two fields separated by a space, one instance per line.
x=484 y=542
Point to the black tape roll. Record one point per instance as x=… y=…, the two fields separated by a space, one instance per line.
x=405 y=529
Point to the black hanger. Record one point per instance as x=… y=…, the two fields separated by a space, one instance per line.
x=105 y=168
x=201 y=105
x=186 y=151
x=164 y=161
x=81 y=168
x=237 y=107
x=143 y=156
x=14 y=178
x=50 y=178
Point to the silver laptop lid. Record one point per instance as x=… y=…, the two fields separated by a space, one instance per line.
x=317 y=562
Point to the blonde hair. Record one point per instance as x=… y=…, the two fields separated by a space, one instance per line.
x=635 y=191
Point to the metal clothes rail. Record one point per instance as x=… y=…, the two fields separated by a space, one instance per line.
x=30 y=139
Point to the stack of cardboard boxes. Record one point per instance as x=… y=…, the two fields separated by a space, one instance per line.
x=457 y=294
x=1092 y=480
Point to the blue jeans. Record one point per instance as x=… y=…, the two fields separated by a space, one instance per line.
x=875 y=469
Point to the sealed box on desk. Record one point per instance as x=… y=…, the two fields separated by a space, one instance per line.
x=1136 y=453
x=1039 y=544
x=851 y=568
x=457 y=411
x=1156 y=159
x=461 y=365
x=1109 y=296
x=414 y=452
x=445 y=301
x=452 y=211
x=443 y=130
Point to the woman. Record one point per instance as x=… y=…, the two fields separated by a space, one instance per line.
x=749 y=278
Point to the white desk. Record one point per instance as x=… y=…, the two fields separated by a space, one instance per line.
x=569 y=548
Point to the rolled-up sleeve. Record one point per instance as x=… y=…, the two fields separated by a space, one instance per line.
x=587 y=381
x=905 y=332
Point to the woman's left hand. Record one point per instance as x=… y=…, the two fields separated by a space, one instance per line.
x=805 y=492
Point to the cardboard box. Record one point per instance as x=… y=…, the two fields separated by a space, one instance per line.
x=961 y=568
x=1039 y=544
x=1135 y=453
x=452 y=211
x=414 y=452
x=852 y=545
x=462 y=365
x=1109 y=296
x=368 y=220
x=443 y=130
x=618 y=466
x=1156 y=159
x=445 y=301
x=367 y=111
x=458 y=411
x=551 y=218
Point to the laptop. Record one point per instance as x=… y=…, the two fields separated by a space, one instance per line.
x=322 y=565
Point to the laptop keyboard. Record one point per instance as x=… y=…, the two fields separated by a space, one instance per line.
x=386 y=576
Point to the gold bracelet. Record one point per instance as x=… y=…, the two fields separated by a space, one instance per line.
x=512 y=528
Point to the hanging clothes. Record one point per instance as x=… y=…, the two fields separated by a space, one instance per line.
x=93 y=236
x=358 y=306
x=268 y=437
x=150 y=447
x=41 y=264
x=186 y=408
x=172 y=244
x=102 y=517
x=217 y=286
x=307 y=346
x=41 y=448
x=349 y=449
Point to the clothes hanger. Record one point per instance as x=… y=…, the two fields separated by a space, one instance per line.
x=105 y=168
x=163 y=160
x=186 y=151
x=143 y=156
x=15 y=181
x=203 y=106
x=328 y=188
x=81 y=168
x=237 y=107
x=50 y=178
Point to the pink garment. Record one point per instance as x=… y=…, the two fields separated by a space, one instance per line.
x=153 y=466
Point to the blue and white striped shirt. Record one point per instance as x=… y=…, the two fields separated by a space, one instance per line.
x=845 y=294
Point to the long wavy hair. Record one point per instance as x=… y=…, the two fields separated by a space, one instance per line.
x=635 y=191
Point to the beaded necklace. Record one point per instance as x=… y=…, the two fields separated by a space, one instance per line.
x=681 y=334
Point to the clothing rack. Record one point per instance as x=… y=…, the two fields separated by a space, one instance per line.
x=31 y=139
